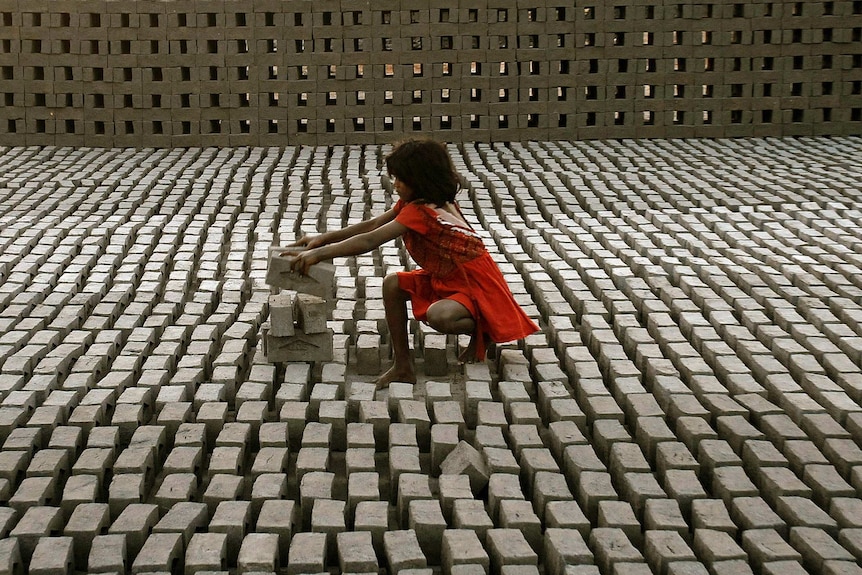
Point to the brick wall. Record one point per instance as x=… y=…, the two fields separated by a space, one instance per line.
x=275 y=72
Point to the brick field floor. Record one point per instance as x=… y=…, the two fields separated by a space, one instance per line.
x=691 y=405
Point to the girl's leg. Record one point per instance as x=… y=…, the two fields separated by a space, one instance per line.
x=450 y=316
x=395 y=305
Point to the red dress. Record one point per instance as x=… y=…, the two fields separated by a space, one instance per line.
x=455 y=265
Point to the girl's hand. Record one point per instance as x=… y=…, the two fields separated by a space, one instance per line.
x=304 y=260
x=309 y=242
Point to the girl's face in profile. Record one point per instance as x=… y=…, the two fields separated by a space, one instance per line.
x=404 y=191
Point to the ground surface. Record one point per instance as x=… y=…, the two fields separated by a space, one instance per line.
x=691 y=405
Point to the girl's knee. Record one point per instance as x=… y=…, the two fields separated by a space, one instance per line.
x=448 y=316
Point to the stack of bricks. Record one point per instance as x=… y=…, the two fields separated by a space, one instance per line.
x=297 y=330
x=341 y=72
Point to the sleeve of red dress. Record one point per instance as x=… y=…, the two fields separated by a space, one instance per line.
x=411 y=216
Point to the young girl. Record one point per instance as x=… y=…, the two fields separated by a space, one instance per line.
x=458 y=289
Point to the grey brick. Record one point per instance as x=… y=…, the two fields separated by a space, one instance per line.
x=403 y=551
x=712 y=514
x=817 y=546
x=620 y=515
x=108 y=554
x=258 y=553
x=206 y=552
x=563 y=548
x=508 y=547
x=307 y=553
x=470 y=514
x=35 y=523
x=160 y=552
x=767 y=546
x=461 y=547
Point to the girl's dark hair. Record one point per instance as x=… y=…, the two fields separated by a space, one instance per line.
x=425 y=166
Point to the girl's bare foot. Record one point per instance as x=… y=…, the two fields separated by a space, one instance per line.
x=469 y=353
x=395 y=373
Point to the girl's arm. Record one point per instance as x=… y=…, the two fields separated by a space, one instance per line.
x=345 y=233
x=351 y=246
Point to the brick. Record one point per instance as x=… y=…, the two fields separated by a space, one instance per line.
x=403 y=551
x=802 y=512
x=278 y=517
x=258 y=553
x=268 y=486
x=471 y=515
x=461 y=547
x=566 y=515
x=713 y=546
x=729 y=482
x=784 y=567
x=767 y=546
x=613 y=550
x=662 y=548
x=665 y=515
x=281 y=314
x=817 y=546
x=564 y=547
x=373 y=516
x=316 y=347
x=206 y=552
x=356 y=552
x=185 y=518
x=826 y=484
x=329 y=516
x=562 y=435
x=233 y=518
x=847 y=511
x=135 y=523
x=475 y=392
x=52 y=555
x=508 y=547
x=84 y=524
x=620 y=515
x=803 y=453
x=10 y=556
x=851 y=539
x=519 y=514
x=107 y=554
x=425 y=518
x=465 y=460
x=755 y=513
x=159 y=553
x=320 y=280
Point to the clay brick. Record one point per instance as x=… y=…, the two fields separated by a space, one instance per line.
x=470 y=515
x=52 y=555
x=663 y=548
x=85 y=523
x=206 y=552
x=620 y=515
x=278 y=517
x=258 y=553
x=767 y=546
x=403 y=551
x=356 y=552
x=159 y=553
x=465 y=460
x=613 y=550
x=507 y=548
x=107 y=554
x=135 y=523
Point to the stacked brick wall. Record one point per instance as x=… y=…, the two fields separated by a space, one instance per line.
x=274 y=72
